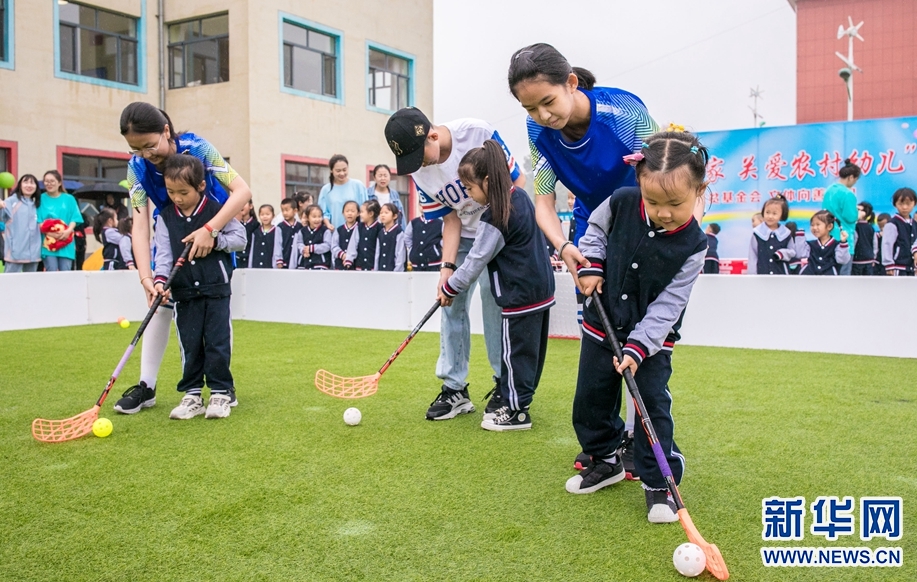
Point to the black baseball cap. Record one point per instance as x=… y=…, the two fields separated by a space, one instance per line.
x=406 y=132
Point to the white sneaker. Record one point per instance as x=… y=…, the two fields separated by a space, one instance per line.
x=189 y=407
x=219 y=406
x=660 y=507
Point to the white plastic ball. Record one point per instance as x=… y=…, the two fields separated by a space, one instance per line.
x=689 y=559
x=352 y=416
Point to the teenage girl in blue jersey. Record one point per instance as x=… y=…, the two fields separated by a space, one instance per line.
x=152 y=139
x=578 y=134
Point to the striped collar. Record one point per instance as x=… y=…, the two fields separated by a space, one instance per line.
x=197 y=209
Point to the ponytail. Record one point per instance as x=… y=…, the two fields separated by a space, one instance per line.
x=585 y=79
x=98 y=223
x=489 y=161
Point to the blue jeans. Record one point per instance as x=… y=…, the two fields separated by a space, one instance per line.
x=20 y=267
x=58 y=264
x=455 y=330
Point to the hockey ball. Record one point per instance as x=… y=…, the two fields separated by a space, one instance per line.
x=352 y=416
x=101 y=427
x=689 y=559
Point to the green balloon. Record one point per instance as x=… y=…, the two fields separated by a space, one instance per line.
x=124 y=183
x=7 y=180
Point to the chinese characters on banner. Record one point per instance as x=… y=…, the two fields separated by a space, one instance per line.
x=747 y=167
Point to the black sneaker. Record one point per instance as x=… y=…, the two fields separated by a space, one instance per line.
x=504 y=418
x=627 y=457
x=582 y=461
x=660 y=507
x=496 y=400
x=232 y=398
x=597 y=475
x=449 y=404
x=135 y=398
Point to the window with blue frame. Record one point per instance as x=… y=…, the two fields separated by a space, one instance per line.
x=389 y=81
x=310 y=60
x=199 y=51
x=98 y=43
x=3 y=26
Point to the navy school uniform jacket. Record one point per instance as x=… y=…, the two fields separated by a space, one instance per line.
x=516 y=258
x=824 y=259
x=424 y=241
x=649 y=273
x=899 y=242
x=390 y=243
x=867 y=245
x=340 y=239
x=283 y=244
x=770 y=251
x=250 y=226
x=204 y=276
x=712 y=259
x=362 y=251
x=113 y=259
x=261 y=248
x=318 y=242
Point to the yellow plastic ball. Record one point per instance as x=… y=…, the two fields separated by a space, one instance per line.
x=124 y=323
x=101 y=427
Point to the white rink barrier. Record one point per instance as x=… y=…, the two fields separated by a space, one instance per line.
x=871 y=316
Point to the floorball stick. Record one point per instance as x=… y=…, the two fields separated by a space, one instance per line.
x=68 y=429
x=361 y=386
x=715 y=563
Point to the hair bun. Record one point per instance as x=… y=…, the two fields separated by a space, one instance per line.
x=847 y=162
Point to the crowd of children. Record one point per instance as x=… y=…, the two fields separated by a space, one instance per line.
x=370 y=238
x=882 y=245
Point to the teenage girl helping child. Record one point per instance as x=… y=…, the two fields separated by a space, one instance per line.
x=153 y=140
x=899 y=236
x=200 y=290
x=312 y=244
x=514 y=252
x=340 y=238
x=772 y=247
x=645 y=251
x=825 y=254
x=391 y=240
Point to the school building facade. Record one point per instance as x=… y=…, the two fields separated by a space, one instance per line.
x=278 y=86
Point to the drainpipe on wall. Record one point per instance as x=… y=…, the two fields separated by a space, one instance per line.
x=160 y=18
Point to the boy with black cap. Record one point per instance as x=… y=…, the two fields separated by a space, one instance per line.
x=430 y=154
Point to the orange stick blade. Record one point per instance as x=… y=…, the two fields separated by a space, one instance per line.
x=342 y=387
x=715 y=563
x=58 y=431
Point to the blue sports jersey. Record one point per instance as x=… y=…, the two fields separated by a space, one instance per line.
x=592 y=167
x=145 y=181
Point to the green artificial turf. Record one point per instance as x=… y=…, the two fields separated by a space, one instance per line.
x=284 y=490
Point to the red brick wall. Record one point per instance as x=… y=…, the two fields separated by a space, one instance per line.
x=887 y=87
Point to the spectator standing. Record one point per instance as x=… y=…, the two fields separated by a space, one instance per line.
x=339 y=189
x=22 y=239
x=380 y=190
x=55 y=203
x=841 y=202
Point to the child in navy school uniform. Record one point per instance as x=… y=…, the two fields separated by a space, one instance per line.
x=825 y=254
x=312 y=244
x=391 y=240
x=200 y=290
x=771 y=247
x=363 y=250
x=288 y=227
x=867 y=241
x=423 y=239
x=795 y=265
x=899 y=236
x=512 y=248
x=250 y=224
x=261 y=240
x=712 y=260
x=340 y=238
x=105 y=230
x=881 y=221
x=645 y=250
